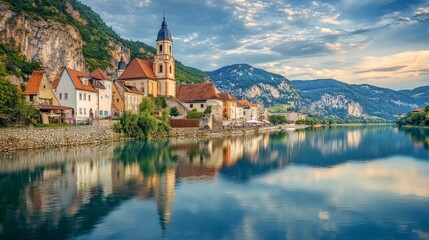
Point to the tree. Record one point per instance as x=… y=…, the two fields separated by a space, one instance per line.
x=14 y=110
x=277 y=119
x=194 y=114
x=174 y=112
x=147 y=105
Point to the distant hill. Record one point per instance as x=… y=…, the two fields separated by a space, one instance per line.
x=322 y=97
x=420 y=94
x=257 y=85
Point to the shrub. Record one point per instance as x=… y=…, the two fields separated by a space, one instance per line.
x=194 y=114
x=277 y=119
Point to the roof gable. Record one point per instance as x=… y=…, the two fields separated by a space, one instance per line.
x=139 y=68
x=33 y=85
x=75 y=76
x=99 y=74
x=197 y=92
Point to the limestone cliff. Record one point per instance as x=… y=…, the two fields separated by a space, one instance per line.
x=54 y=44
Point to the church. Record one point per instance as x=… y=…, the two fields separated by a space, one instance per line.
x=153 y=77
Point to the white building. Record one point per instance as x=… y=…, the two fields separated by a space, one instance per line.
x=74 y=90
x=101 y=82
x=250 y=110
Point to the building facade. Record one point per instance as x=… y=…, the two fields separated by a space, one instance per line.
x=74 y=90
x=103 y=84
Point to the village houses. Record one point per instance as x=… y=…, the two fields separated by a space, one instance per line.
x=99 y=96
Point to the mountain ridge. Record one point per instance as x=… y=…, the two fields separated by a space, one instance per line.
x=319 y=97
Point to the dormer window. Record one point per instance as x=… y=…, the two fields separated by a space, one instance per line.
x=84 y=81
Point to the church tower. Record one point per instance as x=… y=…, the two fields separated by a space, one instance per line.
x=121 y=68
x=163 y=64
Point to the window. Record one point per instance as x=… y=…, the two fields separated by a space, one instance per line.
x=80 y=96
x=60 y=96
x=84 y=111
x=170 y=50
x=202 y=105
x=44 y=86
x=106 y=113
x=84 y=96
x=66 y=96
x=31 y=98
x=160 y=48
x=80 y=110
x=101 y=112
x=171 y=69
x=117 y=100
x=191 y=105
x=160 y=68
x=101 y=97
x=89 y=97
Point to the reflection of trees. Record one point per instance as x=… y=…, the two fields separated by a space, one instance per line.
x=152 y=157
x=418 y=135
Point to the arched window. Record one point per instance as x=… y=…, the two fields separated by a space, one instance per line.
x=160 y=48
x=171 y=69
x=171 y=50
x=160 y=68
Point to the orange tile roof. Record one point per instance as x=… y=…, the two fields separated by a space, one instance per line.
x=55 y=83
x=227 y=96
x=130 y=89
x=197 y=92
x=139 y=68
x=99 y=75
x=33 y=84
x=75 y=75
x=246 y=103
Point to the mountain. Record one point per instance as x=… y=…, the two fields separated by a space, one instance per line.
x=329 y=97
x=321 y=98
x=420 y=94
x=257 y=85
x=53 y=34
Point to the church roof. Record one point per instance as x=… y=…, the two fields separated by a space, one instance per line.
x=99 y=75
x=33 y=84
x=139 y=68
x=164 y=33
x=122 y=64
x=197 y=92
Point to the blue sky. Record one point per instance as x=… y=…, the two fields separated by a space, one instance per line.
x=379 y=42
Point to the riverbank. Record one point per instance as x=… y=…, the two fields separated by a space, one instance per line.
x=16 y=139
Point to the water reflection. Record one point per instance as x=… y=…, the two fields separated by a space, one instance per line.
x=265 y=181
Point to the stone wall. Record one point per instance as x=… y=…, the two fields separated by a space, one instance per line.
x=12 y=139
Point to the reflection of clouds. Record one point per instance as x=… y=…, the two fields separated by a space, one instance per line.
x=328 y=145
x=395 y=175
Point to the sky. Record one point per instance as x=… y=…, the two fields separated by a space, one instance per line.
x=379 y=42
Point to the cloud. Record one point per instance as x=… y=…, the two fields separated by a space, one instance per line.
x=422 y=14
x=385 y=69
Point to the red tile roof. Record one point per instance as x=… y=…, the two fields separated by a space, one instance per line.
x=139 y=68
x=130 y=89
x=99 y=75
x=75 y=75
x=55 y=83
x=33 y=84
x=246 y=103
x=227 y=96
x=197 y=92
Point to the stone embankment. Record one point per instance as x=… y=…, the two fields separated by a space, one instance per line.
x=13 y=139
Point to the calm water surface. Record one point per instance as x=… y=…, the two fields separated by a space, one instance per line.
x=327 y=183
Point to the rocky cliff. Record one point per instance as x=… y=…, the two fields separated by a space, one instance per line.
x=67 y=33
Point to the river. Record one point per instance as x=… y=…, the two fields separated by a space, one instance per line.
x=326 y=183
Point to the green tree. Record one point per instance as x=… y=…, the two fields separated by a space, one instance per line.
x=194 y=114
x=147 y=105
x=277 y=119
x=14 y=110
x=174 y=112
